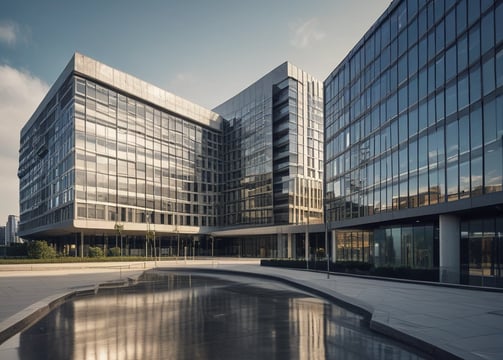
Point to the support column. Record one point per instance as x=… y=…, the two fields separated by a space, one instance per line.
x=334 y=246
x=81 y=244
x=291 y=249
x=280 y=246
x=449 y=244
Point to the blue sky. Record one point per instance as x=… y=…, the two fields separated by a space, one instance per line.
x=205 y=51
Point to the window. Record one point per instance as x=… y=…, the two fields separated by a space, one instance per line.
x=487 y=32
x=463 y=98
x=474 y=43
x=462 y=53
x=451 y=100
x=499 y=24
x=461 y=16
x=475 y=85
x=450 y=60
x=452 y=139
x=488 y=74
x=499 y=68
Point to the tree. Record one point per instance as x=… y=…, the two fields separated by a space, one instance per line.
x=95 y=251
x=39 y=249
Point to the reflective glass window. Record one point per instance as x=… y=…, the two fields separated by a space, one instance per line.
x=476 y=128
x=413 y=31
x=413 y=156
x=450 y=27
x=464 y=134
x=451 y=138
x=423 y=52
x=451 y=63
x=488 y=75
x=461 y=16
x=440 y=103
x=474 y=44
x=423 y=115
x=464 y=179
x=463 y=98
x=403 y=159
x=490 y=128
x=413 y=122
x=475 y=85
x=499 y=68
x=452 y=181
x=439 y=72
x=439 y=36
x=473 y=10
x=402 y=99
x=476 y=178
x=423 y=82
x=402 y=128
x=402 y=69
x=499 y=24
x=493 y=165
x=487 y=32
x=462 y=46
x=451 y=97
x=423 y=153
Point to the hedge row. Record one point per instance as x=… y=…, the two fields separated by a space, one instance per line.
x=357 y=267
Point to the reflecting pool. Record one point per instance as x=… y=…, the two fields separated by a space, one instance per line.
x=182 y=316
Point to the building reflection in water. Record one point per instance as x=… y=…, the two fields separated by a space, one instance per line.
x=194 y=317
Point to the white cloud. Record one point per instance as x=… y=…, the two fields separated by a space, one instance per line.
x=303 y=34
x=9 y=32
x=20 y=94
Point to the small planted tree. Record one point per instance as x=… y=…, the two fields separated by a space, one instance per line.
x=115 y=251
x=95 y=252
x=39 y=249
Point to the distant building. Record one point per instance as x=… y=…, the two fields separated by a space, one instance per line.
x=11 y=230
x=2 y=236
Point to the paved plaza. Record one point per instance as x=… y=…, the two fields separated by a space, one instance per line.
x=445 y=321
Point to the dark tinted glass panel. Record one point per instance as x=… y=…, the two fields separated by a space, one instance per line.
x=461 y=16
x=489 y=80
x=473 y=10
x=487 y=31
x=450 y=27
x=474 y=44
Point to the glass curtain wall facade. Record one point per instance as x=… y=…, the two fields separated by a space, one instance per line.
x=98 y=155
x=108 y=155
x=414 y=122
x=273 y=152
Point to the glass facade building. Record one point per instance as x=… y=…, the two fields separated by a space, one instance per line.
x=106 y=149
x=413 y=141
x=108 y=155
x=273 y=162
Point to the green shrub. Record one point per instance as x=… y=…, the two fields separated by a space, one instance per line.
x=95 y=251
x=115 y=251
x=39 y=249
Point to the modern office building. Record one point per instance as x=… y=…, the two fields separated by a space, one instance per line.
x=107 y=158
x=413 y=141
x=273 y=165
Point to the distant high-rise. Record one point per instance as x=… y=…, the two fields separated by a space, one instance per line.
x=11 y=230
x=2 y=236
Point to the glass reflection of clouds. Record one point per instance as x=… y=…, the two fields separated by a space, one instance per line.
x=194 y=317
